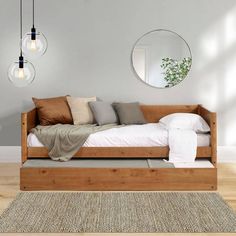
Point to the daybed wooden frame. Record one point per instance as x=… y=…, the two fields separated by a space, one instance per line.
x=122 y=178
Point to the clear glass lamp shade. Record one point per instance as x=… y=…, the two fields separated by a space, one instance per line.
x=21 y=77
x=34 y=49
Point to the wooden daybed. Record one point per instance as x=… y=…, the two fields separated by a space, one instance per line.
x=72 y=178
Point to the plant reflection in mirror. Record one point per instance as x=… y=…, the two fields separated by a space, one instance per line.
x=175 y=71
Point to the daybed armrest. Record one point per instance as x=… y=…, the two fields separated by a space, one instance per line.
x=28 y=121
x=211 y=119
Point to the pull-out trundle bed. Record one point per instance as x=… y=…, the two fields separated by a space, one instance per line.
x=120 y=168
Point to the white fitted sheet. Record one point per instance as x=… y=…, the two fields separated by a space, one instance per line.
x=196 y=164
x=148 y=135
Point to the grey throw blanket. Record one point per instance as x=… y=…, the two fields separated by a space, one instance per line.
x=63 y=141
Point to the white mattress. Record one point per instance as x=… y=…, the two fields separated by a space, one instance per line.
x=148 y=135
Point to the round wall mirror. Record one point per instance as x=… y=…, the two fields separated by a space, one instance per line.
x=161 y=58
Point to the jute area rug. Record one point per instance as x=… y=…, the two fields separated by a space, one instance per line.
x=118 y=212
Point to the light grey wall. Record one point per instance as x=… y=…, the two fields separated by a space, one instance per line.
x=90 y=43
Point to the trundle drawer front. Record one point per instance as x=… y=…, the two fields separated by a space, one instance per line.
x=118 y=179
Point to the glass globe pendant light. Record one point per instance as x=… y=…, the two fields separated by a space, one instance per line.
x=21 y=73
x=34 y=43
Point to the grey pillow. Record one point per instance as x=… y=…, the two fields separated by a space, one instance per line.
x=103 y=112
x=129 y=113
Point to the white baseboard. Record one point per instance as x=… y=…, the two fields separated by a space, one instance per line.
x=12 y=154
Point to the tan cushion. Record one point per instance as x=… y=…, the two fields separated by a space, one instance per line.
x=53 y=111
x=80 y=110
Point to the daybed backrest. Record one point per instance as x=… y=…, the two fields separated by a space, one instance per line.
x=153 y=113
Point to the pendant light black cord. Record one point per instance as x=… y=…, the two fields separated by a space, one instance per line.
x=21 y=27
x=33 y=30
x=21 y=59
x=33 y=13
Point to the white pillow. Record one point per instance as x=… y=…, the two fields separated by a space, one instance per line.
x=185 y=121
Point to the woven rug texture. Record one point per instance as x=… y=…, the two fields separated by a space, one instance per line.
x=118 y=212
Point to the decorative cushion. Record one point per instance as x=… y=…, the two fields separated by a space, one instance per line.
x=129 y=113
x=185 y=121
x=103 y=113
x=80 y=110
x=53 y=111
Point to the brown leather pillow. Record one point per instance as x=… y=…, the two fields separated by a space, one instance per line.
x=53 y=111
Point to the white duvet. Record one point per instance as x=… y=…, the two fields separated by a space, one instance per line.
x=183 y=145
x=148 y=135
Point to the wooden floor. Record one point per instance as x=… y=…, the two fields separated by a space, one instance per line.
x=9 y=187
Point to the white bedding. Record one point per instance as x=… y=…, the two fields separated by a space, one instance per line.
x=148 y=135
x=183 y=145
